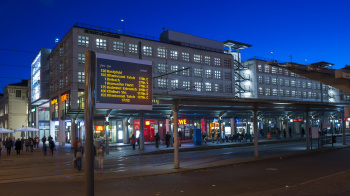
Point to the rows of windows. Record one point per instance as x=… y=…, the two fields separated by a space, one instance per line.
x=289 y=82
x=290 y=93
x=148 y=51
x=197 y=72
x=197 y=86
x=276 y=70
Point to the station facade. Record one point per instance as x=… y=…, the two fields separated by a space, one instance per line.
x=184 y=67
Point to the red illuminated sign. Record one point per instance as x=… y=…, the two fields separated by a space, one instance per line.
x=182 y=121
x=100 y=128
x=64 y=97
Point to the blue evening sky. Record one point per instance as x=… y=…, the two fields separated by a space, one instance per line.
x=317 y=30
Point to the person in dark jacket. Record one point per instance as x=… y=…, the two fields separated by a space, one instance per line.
x=52 y=146
x=167 y=139
x=8 y=146
x=133 y=141
x=18 y=146
x=157 y=138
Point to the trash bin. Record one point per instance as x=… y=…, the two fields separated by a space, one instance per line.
x=334 y=139
x=268 y=136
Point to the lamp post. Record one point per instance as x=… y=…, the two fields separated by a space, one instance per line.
x=273 y=55
x=123 y=25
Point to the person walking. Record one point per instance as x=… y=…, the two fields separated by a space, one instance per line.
x=290 y=132
x=212 y=135
x=34 y=142
x=43 y=140
x=100 y=155
x=167 y=139
x=31 y=144
x=37 y=141
x=44 y=149
x=133 y=141
x=52 y=146
x=218 y=136
x=157 y=138
x=78 y=154
x=205 y=137
x=8 y=146
x=18 y=146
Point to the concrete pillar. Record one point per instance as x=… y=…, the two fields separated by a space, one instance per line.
x=256 y=136
x=168 y=129
x=142 y=132
x=232 y=125
x=73 y=132
x=343 y=126
x=61 y=133
x=306 y=128
x=126 y=135
x=176 y=144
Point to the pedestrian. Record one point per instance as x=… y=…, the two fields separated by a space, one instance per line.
x=43 y=140
x=8 y=146
x=27 y=145
x=205 y=137
x=302 y=132
x=52 y=146
x=18 y=146
x=284 y=133
x=218 y=136
x=100 y=155
x=31 y=144
x=37 y=141
x=157 y=138
x=22 y=143
x=167 y=139
x=34 y=142
x=290 y=131
x=212 y=135
x=78 y=154
x=133 y=141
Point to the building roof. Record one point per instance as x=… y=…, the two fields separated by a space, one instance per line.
x=23 y=83
x=321 y=64
x=236 y=45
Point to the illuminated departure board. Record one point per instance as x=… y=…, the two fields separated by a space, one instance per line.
x=123 y=83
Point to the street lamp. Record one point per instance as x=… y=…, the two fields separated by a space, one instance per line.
x=306 y=61
x=56 y=40
x=273 y=55
x=123 y=25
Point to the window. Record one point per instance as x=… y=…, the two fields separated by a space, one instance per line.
x=309 y=94
x=81 y=58
x=207 y=60
x=267 y=68
x=174 y=68
x=208 y=73
x=161 y=52
x=293 y=93
x=292 y=83
x=274 y=81
x=309 y=85
x=281 y=92
x=101 y=43
x=267 y=80
x=173 y=54
x=83 y=41
x=198 y=86
x=292 y=74
x=274 y=92
x=66 y=80
x=227 y=62
x=197 y=58
x=217 y=74
x=286 y=82
x=147 y=50
x=280 y=71
x=259 y=68
x=133 y=48
x=227 y=75
x=304 y=94
x=274 y=70
x=186 y=85
x=208 y=86
x=186 y=56
x=18 y=93
x=61 y=68
x=81 y=77
x=118 y=46
x=185 y=72
x=267 y=91
x=260 y=79
x=286 y=72
x=299 y=94
x=198 y=72
x=162 y=83
x=162 y=68
x=261 y=91
x=217 y=88
x=287 y=93
x=61 y=83
x=217 y=61
x=304 y=84
x=228 y=88
x=174 y=84
x=298 y=84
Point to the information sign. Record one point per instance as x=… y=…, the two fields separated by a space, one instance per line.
x=123 y=83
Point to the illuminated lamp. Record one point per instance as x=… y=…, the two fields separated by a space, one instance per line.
x=64 y=97
x=147 y=122
x=295 y=120
x=100 y=128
